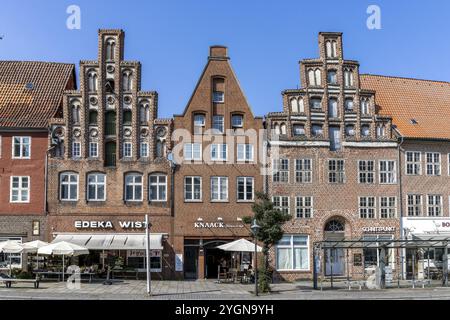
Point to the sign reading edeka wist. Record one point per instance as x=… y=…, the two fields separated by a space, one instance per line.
x=82 y=224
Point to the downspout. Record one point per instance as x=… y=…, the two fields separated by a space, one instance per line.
x=400 y=191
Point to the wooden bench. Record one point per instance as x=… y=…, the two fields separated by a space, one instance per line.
x=8 y=282
x=355 y=283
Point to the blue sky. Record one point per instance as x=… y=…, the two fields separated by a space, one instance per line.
x=266 y=39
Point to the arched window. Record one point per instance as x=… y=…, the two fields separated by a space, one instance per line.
x=334 y=226
x=144 y=113
x=348 y=77
x=332 y=77
x=283 y=128
x=311 y=78
x=331 y=48
x=317 y=77
x=68 y=186
x=92 y=81
x=93 y=115
x=364 y=106
x=76 y=113
x=277 y=128
x=381 y=131
x=127 y=79
x=110 y=45
x=301 y=105
x=294 y=105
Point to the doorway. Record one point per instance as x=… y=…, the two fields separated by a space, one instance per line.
x=191 y=262
x=334 y=257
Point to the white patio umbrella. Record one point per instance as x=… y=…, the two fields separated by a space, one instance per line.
x=240 y=245
x=63 y=248
x=11 y=246
x=33 y=246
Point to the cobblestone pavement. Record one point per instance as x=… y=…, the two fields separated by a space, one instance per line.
x=208 y=290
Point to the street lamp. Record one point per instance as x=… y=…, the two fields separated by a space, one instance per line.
x=255 y=228
x=148 y=225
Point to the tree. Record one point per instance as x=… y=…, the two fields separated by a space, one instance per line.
x=271 y=221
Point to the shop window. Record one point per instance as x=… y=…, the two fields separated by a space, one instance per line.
x=293 y=253
x=10 y=260
x=303 y=170
x=68 y=186
x=372 y=255
x=96 y=187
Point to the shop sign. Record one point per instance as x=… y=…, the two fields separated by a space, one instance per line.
x=141 y=253
x=82 y=224
x=179 y=262
x=216 y=225
x=378 y=229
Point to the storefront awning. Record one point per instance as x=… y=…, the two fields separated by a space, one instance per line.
x=112 y=241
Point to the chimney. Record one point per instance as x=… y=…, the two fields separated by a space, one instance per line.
x=218 y=53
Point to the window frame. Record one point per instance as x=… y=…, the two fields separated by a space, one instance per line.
x=96 y=185
x=303 y=171
x=141 y=155
x=413 y=163
x=214 y=123
x=387 y=207
x=337 y=172
x=219 y=149
x=245 y=159
x=74 y=154
x=219 y=188
x=157 y=184
x=19 y=189
x=92 y=143
x=433 y=164
x=234 y=116
x=245 y=189
x=414 y=206
x=292 y=247
x=134 y=185
x=191 y=147
x=387 y=172
x=13 y=144
x=280 y=173
x=304 y=207
x=193 y=189
x=281 y=207
x=69 y=183
x=430 y=206
x=367 y=172
x=217 y=94
x=125 y=144
x=367 y=208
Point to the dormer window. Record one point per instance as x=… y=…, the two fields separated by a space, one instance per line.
x=331 y=48
x=314 y=77
x=199 y=123
x=237 y=121
x=349 y=104
x=348 y=77
x=332 y=77
x=316 y=103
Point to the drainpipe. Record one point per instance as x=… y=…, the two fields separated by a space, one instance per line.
x=400 y=191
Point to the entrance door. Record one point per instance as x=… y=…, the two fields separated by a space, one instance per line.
x=334 y=262
x=190 y=262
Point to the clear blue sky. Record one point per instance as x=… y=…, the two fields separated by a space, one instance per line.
x=266 y=39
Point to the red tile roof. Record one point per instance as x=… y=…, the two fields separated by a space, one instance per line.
x=32 y=107
x=407 y=100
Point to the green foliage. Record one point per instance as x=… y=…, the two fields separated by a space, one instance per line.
x=271 y=221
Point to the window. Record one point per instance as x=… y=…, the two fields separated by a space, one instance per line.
x=317 y=130
x=127 y=117
x=335 y=138
x=237 y=121
x=366 y=171
x=218 y=152
x=160 y=149
x=434 y=207
x=293 y=253
x=297 y=105
x=298 y=130
x=381 y=130
x=93 y=115
x=303 y=170
x=350 y=130
x=332 y=108
x=281 y=170
x=92 y=81
x=314 y=77
x=331 y=48
x=96 y=187
x=68 y=187
x=192 y=151
x=283 y=128
x=316 y=103
x=133 y=187
x=21 y=147
x=365 y=106
x=365 y=130
x=367 y=207
x=93 y=149
x=218 y=97
x=388 y=172
x=110 y=154
x=349 y=104
x=110 y=44
x=144 y=149
x=76 y=150
x=218 y=123
x=336 y=171
x=433 y=164
x=304 y=207
x=36 y=227
x=332 y=77
x=127 y=149
x=157 y=187
x=127 y=79
x=76 y=114
x=20 y=189
x=414 y=204
x=192 y=188
x=348 y=78
x=281 y=203
x=144 y=115
x=245 y=187
x=388 y=207
x=219 y=188
x=413 y=163
x=199 y=123
x=110 y=123
x=245 y=152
